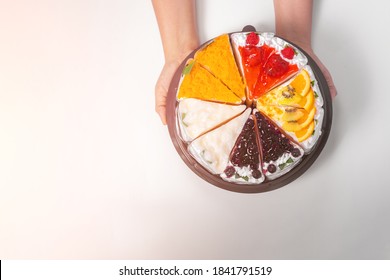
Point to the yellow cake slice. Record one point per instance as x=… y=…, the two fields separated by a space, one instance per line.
x=218 y=58
x=197 y=82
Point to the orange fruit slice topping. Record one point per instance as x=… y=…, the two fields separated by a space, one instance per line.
x=305 y=133
x=301 y=83
x=301 y=123
x=309 y=104
x=305 y=121
x=292 y=114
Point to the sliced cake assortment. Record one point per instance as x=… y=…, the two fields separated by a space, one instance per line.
x=249 y=107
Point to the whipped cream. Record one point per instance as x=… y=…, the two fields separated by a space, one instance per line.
x=212 y=149
x=283 y=164
x=244 y=176
x=197 y=116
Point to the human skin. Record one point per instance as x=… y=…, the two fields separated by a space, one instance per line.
x=293 y=21
x=177 y=24
x=176 y=20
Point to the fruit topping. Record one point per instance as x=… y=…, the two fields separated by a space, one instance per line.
x=252 y=39
x=276 y=66
x=292 y=114
x=288 y=52
x=245 y=155
x=280 y=153
x=290 y=97
x=291 y=126
x=271 y=168
x=256 y=174
x=252 y=56
x=295 y=152
x=230 y=171
x=309 y=104
x=305 y=133
x=274 y=143
x=301 y=83
x=245 y=152
x=292 y=106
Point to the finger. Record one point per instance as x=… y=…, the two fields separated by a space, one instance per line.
x=333 y=91
x=331 y=85
x=160 y=102
x=161 y=111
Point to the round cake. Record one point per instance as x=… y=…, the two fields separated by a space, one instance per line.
x=249 y=111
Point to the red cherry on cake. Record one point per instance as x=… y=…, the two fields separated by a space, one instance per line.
x=271 y=168
x=276 y=66
x=252 y=39
x=288 y=52
x=230 y=171
x=256 y=174
x=295 y=152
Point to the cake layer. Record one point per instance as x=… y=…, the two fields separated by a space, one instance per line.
x=266 y=61
x=197 y=82
x=294 y=107
x=197 y=116
x=218 y=58
x=279 y=152
x=213 y=149
x=245 y=165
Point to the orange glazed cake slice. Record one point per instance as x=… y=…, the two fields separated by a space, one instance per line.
x=197 y=82
x=218 y=58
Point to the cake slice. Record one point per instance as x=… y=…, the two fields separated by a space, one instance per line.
x=293 y=107
x=265 y=62
x=244 y=162
x=213 y=149
x=279 y=153
x=218 y=58
x=197 y=82
x=196 y=116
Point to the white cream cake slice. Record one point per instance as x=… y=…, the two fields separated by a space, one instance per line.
x=213 y=149
x=196 y=116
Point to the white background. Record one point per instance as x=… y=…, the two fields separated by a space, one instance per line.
x=87 y=171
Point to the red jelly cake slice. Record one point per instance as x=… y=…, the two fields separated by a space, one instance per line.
x=266 y=61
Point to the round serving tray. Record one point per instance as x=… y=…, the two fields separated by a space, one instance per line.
x=267 y=185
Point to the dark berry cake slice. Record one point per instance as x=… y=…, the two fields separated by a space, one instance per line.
x=279 y=152
x=244 y=162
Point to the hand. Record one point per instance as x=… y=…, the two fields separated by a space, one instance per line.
x=328 y=77
x=293 y=21
x=164 y=81
x=162 y=87
x=177 y=24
